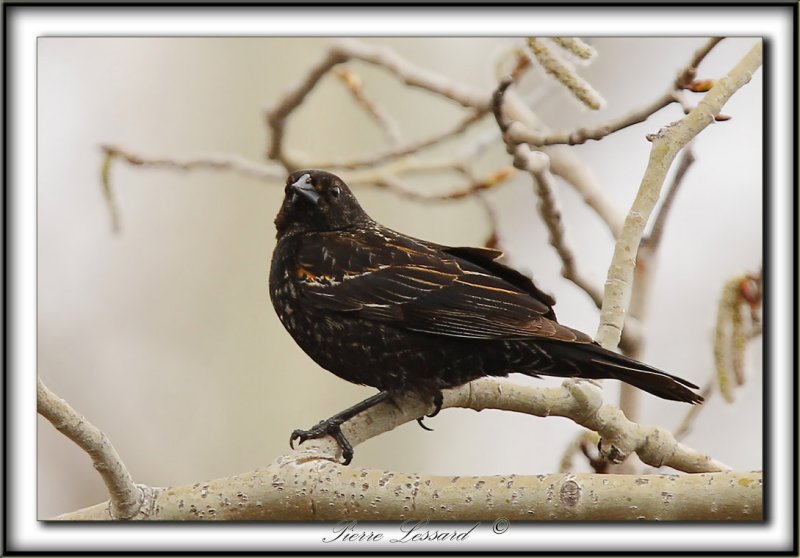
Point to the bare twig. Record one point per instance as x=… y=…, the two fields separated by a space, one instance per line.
x=582 y=443
x=228 y=162
x=412 y=75
x=350 y=49
x=396 y=185
x=689 y=73
x=126 y=496
x=564 y=162
x=235 y=163
x=407 y=149
x=384 y=121
x=521 y=134
x=537 y=165
x=275 y=116
x=108 y=192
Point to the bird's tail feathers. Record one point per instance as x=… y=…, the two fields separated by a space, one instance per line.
x=594 y=362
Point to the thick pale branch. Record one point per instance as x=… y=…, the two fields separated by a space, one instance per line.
x=666 y=145
x=126 y=496
x=630 y=397
x=657 y=232
x=297 y=490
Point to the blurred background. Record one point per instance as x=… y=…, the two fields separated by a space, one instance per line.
x=164 y=336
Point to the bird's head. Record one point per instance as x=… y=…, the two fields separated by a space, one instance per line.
x=318 y=201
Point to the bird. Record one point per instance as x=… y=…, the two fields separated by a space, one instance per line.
x=407 y=316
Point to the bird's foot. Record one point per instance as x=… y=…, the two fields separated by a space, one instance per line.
x=330 y=427
x=438 y=399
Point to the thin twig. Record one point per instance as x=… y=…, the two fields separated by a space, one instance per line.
x=537 y=165
x=275 y=116
x=382 y=119
x=519 y=133
x=227 y=162
x=407 y=149
x=108 y=192
x=565 y=163
x=411 y=74
x=689 y=73
x=394 y=183
x=351 y=49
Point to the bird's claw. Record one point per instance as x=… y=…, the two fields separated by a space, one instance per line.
x=325 y=428
x=422 y=424
x=438 y=399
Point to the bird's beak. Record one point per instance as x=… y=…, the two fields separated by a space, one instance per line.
x=304 y=187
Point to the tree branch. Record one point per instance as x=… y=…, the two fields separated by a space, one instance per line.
x=580 y=401
x=228 y=162
x=536 y=164
x=309 y=483
x=350 y=49
x=314 y=489
x=518 y=133
x=666 y=145
x=126 y=496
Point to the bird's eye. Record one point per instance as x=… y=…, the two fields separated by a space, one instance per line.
x=335 y=191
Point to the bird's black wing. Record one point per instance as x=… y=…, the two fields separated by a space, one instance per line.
x=460 y=292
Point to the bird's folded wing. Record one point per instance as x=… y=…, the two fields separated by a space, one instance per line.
x=420 y=288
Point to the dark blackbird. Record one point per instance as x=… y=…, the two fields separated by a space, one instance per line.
x=382 y=309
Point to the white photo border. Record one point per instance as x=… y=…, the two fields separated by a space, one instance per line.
x=776 y=24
